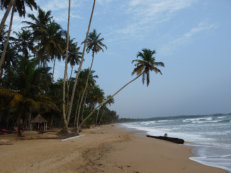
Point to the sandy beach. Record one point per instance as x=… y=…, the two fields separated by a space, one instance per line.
x=102 y=149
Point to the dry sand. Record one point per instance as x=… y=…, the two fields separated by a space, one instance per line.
x=106 y=149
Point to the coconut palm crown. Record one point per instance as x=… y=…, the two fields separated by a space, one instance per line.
x=20 y=5
x=145 y=64
x=94 y=42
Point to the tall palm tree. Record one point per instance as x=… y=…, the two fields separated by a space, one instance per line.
x=16 y=6
x=81 y=62
x=143 y=66
x=74 y=56
x=2 y=60
x=93 y=90
x=94 y=44
x=65 y=128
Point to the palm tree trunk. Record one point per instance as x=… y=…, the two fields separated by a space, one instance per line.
x=83 y=107
x=79 y=113
x=65 y=128
x=105 y=101
x=101 y=117
x=76 y=111
x=68 y=89
x=7 y=41
x=71 y=72
x=6 y=14
x=81 y=62
x=86 y=85
x=96 y=120
x=53 y=69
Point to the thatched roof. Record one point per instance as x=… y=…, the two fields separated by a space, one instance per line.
x=39 y=119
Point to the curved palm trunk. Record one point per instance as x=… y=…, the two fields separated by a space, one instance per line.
x=65 y=128
x=81 y=62
x=100 y=105
x=6 y=14
x=86 y=85
x=6 y=44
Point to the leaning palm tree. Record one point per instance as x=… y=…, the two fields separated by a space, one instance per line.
x=143 y=67
x=80 y=65
x=16 y=6
x=94 y=44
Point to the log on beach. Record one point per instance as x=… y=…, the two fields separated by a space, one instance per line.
x=174 y=140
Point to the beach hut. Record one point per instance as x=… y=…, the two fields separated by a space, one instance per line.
x=40 y=123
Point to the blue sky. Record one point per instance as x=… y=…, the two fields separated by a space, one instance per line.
x=192 y=38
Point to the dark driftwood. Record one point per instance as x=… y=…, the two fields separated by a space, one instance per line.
x=174 y=140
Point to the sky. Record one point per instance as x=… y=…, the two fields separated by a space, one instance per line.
x=192 y=38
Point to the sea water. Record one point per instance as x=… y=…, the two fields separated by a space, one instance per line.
x=210 y=134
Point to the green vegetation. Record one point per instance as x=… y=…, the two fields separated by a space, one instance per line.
x=27 y=84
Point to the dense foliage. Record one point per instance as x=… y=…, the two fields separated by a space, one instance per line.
x=28 y=86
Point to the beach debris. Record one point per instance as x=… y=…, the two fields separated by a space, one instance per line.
x=5 y=142
x=174 y=140
x=73 y=137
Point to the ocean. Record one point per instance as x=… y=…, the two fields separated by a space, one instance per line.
x=209 y=134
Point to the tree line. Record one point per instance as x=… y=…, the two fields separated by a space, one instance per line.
x=27 y=66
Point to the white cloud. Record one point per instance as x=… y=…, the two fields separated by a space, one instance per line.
x=102 y=2
x=144 y=12
x=56 y=5
x=172 y=45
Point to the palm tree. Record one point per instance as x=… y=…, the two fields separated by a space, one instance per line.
x=16 y=6
x=94 y=44
x=23 y=42
x=39 y=22
x=2 y=60
x=50 y=43
x=81 y=63
x=73 y=59
x=29 y=86
x=111 y=101
x=74 y=54
x=143 y=66
x=19 y=7
x=5 y=5
x=82 y=81
x=65 y=117
x=48 y=34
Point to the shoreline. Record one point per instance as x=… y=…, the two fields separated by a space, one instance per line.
x=107 y=148
x=193 y=157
